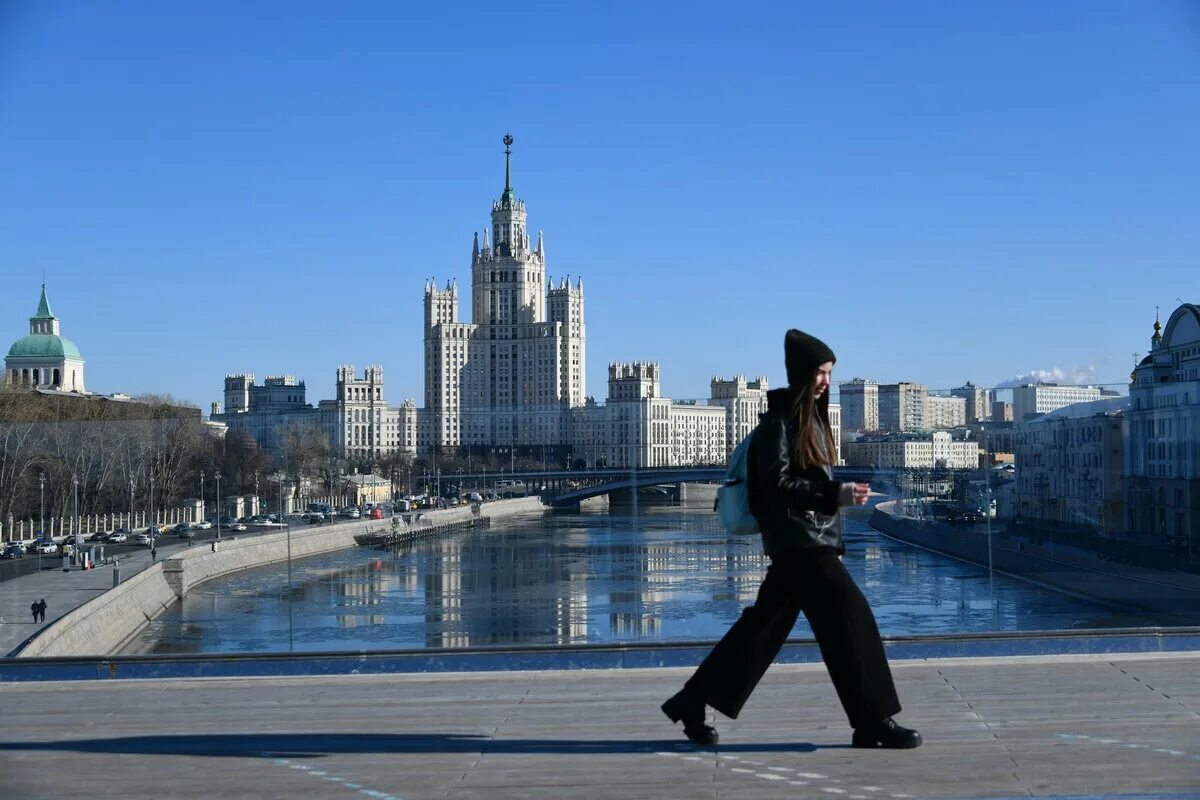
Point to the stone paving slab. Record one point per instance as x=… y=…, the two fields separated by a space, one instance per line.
x=1056 y=726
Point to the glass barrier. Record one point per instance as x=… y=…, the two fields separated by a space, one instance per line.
x=1083 y=516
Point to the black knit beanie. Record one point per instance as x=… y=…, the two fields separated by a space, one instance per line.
x=803 y=354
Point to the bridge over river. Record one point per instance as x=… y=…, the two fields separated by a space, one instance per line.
x=566 y=489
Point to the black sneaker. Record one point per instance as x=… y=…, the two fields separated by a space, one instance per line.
x=886 y=733
x=682 y=707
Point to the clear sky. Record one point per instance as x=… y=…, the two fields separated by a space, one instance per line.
x=943 y=191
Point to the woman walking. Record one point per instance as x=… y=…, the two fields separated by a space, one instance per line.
x=795 y=500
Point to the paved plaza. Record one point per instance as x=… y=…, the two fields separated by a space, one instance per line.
x=1093 y=726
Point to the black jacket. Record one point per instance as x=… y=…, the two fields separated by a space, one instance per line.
x=796 y=509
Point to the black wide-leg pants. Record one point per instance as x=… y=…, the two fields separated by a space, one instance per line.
x=817 y=583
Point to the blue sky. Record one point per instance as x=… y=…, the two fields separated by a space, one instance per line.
x=943 y=191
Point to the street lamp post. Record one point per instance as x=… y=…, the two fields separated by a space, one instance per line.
x=288 y=529
x=75 y=526
x=217 y=477
x=131 y=504
x=152 y=501
x=42 y=492
x=203 y=516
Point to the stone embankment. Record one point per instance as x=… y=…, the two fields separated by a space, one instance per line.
x=104 y=624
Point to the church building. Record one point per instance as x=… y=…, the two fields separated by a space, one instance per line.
x=44 y=359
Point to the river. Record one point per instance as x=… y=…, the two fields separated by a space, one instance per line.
x=660 y=572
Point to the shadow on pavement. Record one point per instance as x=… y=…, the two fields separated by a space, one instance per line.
x=262 y=745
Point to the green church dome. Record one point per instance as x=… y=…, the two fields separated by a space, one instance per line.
x=44 y=345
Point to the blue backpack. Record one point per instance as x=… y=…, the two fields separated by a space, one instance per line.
x=733 y=497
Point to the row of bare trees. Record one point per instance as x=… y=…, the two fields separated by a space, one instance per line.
x=155 y=452
x=147 y=453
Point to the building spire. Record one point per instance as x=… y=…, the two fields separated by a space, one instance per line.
x=507 y=197
x=43 y=311
x=1156 y=339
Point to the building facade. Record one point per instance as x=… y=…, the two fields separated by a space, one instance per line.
x=943 y=413
x=267 y=411
x=1162 y=430
x=902 y=407
x=978 y=401
x=912 y=451
x=744 y=402
x=639 y=428
x=1068 y=467
x=359 y=423
x=859 y=399
x=1042 y=398
x=45 y=359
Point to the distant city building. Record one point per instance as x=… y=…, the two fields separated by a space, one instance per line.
x=368 y=489
x=1002 y=411
x=902 y=407
x=45 y=359
x=943 y=413
x=979 y=401
x=835 y=428
x=1042 y=398
x=744 y=401
x=859 y=399
x=511 y=376
x=358 y=423
x=266 y=411
x=638 y=427
x=997 y=440
x=1162 y=429
x=912 y=451
x=1068 y=467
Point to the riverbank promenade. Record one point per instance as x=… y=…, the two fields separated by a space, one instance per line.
x=64 y=591
x=1091 y=726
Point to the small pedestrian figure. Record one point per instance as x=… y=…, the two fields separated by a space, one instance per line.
x=153 y=552
x=36 y=608
x=42 y=609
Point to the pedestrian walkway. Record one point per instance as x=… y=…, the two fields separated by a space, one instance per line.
x=1095 y=726
x=63 y=591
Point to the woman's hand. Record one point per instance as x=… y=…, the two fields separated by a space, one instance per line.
x=854 y=494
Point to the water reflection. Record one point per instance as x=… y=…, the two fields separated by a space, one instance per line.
x=664 y=573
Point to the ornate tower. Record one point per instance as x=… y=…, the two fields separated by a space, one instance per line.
x=506 y=274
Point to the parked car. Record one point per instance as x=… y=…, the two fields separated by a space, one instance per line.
x=238 y=526
x=45 y=547
x=377 y=513
x=186 y=532
x=118 y=537
x=12 y=550
x=67 y=549
x=99 y=536
x=154 y=531
x=142 y=538
x=203 y=525
x=315 y=518
x=181 y=529
x=354 y=514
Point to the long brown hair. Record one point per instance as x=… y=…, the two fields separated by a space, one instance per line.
x=807 y=448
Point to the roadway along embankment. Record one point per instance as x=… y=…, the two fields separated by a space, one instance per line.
x=104 y=624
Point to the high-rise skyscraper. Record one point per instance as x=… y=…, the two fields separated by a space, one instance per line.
x=512 y=374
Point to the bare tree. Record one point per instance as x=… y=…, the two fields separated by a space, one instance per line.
x=306 y=452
